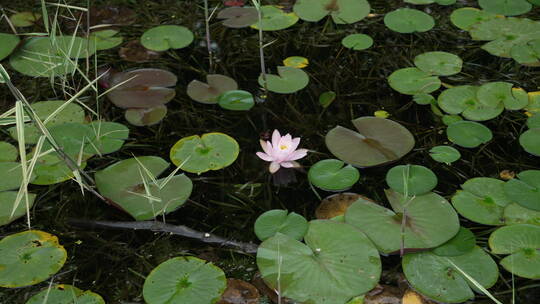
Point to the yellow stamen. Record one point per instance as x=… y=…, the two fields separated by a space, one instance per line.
x=283 y=147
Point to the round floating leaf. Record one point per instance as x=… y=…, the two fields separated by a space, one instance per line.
x=406 y=20
x=336 y=263
x=517 y=214
x=444 y=154
x=50 y=169
x=108 y=137
x=377 y=141
x=357 y=42
x=276 y=221
x=468 y=134
x=342 y=11
x=333 y=175
x=142 y=88
x=24 y=19
x=502 y=92
x=525 y=190
x=275 y=19
x=238 y=17
x=430 y=221
x=29 y=257
x=326 y=98
x=184 y=280
x=533 y=122
x=71 y=112
x=71 y=138
x=450 y=119
x=336 y=205
x=413 y=81
x=8 y=152
x=439 y=63
x=239 y=292
x=130 y=185
x=7 y=205
x=288 y=80
x=65 y=294
x=40 y=57
x=198 y=154
x=8 y=43
x=440 y=277
x=527 y=53
x=505 y=7
x=236 y=100
x=412 y=179
x=530 y=141
x=145 y=117
x=463 y=242
x=482 y=200
x=209 y=92
x=465 y=17
x=424 y=99
x=11 y=175
x=522 y=242
x=164 y=37
x=105 y=39
x=463 y=100
x=298 y=62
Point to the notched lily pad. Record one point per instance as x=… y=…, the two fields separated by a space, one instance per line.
x=165 y=37
x=236 y=100
x=275 y=19
x=238 y=17
x=444 y=154
x=468 y=134
x=465 y=17
x=357 y=42
x=525 y=190
x=505 y=7
x=146 y=117
x=105 y=39
x=411 y=179
x=65 y=294
x=377 y=141
x=407 y=20
x=413 y=81
x=333 y=175
x=502 y=93
x=463 y=242
x=464 y=100
x=439 y=63
x=288 y=80
x=276 y=221
x=342 y=11
x=209 y=92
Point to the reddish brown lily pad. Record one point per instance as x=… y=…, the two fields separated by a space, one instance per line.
x=104 y=16
x=239 y=292
x=145 y=117
x=238 y=17
x=209 y=92
x=270 y=293
x=134 y=51
x=142 y=88
x=336 y=205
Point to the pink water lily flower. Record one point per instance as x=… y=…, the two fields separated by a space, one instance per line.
x=281 y=152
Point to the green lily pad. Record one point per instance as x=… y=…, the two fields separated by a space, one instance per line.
x=198 y=154
x=533 y=122
x=108 y=137
x=333 y=175
x=73 y=138
x=236 y=100
x=165 y=37
x=527 y=53
x=327 y=98
x=288 y=80
x=142 y=88
x=106 y=39
x=8 y=43
x=534 y=104
x=505 y=7
x=336 y=263
x=530 y=141
x=238 y=17
x=24 y=19
x=441 y=2
x=276 y=221
x=357 y=42
x=342 y=11
x=465 y=17
x=39 y=57
x=29 y=257
x=407 y=20
x=50 y=169
x=413 y=81
x=11 y=175
x=8 y=152
x=411 y=179
x=468 y=134
x=502 y=92
x=463 y=100
x=430 y=221
x=444 y=154
x=525 y=190
x=423 y=99
x=517 y=214
x=482 y=200
x=450 y=119
x=463 y=242
x=65 y=294
x=522 y=243
x=184 y=280
x=438 y=277
x=378 y=141
x=146 y=117
x=439 y=63
x=71 y=112
x=7 y=204
x=128 y=185
x=275 y=19
x=210 y=91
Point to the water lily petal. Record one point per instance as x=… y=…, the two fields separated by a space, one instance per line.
x=290 y=164
x=295 y=142
x=286 y=141
x=300 y=153
x=265 y=156
x=266 y=146
x=275 y=138
x=274 y=166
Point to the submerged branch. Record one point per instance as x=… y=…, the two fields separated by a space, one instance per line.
x=156 y=226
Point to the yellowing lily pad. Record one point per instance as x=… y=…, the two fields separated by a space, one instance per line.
x=342 y=11
x=298 y=62
x=29 y=257
x=198 y=154
x=164 y=37
x=288 y=80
